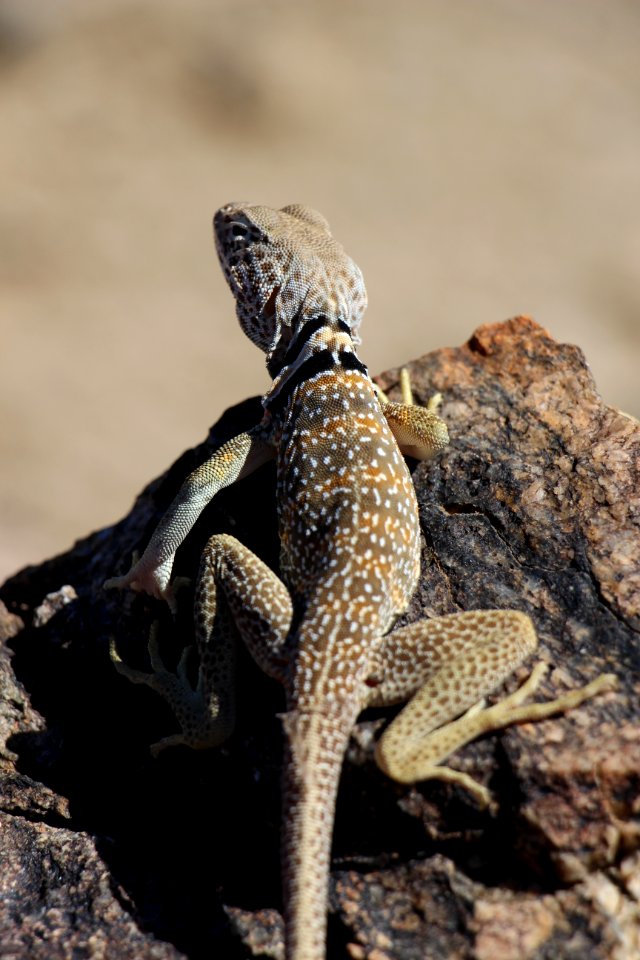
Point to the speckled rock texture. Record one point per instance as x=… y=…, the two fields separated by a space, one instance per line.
x=107 y=853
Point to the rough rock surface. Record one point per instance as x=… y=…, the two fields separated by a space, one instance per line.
x=107 y=853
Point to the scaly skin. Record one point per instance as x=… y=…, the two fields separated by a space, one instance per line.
x=350 y=545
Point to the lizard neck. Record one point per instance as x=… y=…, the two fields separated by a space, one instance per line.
x=321 y=344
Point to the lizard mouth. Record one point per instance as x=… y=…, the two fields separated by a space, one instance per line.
x=269 y=309
x=283 y=334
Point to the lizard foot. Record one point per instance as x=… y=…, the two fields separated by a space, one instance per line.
x=204 y=723
x=512 y=709
x=431 y=405
x=424 y=763
x=419 y=431
x=147 y=577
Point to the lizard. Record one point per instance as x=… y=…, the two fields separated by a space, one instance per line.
x=349 y=562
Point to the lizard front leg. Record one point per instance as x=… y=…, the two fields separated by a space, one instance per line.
x=234 y=588
x=236 y=459
x=419 y=431
x=453 y=662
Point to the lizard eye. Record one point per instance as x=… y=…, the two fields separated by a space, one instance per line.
x=239 y=231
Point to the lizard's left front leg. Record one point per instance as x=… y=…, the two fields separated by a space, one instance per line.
x=234 y=587
x=235 y=459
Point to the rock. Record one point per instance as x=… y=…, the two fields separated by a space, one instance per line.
x=108 y=853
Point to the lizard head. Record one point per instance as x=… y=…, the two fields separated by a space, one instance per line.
x=283 y=267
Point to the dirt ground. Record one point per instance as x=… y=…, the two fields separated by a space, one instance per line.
x=477 y=159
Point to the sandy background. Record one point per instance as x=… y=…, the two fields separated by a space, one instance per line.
x=478 y=158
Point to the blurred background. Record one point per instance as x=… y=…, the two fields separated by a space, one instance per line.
x=477 y=159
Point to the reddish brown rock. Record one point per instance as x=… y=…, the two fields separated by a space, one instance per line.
x=107 y=853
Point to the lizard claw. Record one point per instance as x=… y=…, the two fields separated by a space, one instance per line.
x=147 y=577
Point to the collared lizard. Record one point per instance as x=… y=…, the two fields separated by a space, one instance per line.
x=350 y=549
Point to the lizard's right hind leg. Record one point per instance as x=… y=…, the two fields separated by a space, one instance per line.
x=446 y=665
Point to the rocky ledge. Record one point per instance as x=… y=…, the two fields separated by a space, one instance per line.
x=107 y=853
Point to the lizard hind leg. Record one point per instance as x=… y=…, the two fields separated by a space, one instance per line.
x=235 y=592
x=453 y=662
x=185 y=701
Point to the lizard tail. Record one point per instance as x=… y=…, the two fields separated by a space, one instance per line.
x=315 y=743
